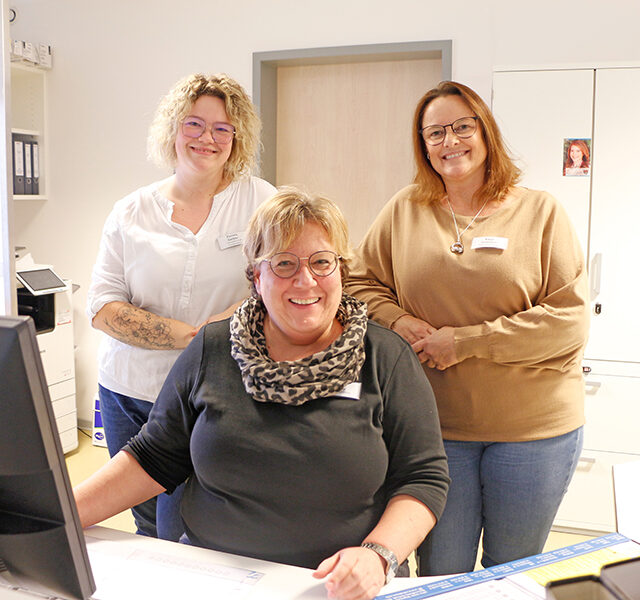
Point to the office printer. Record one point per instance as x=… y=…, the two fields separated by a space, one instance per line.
x=46 y=297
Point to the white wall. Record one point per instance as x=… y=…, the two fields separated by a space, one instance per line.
x=113 y=60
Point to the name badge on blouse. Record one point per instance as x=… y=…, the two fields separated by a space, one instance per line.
x=489 y=241
x=229 y=240
x=350 y=391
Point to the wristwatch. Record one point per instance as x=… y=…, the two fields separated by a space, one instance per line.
x=388 y=555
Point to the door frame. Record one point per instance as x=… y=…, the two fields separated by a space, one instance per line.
x=265 y=77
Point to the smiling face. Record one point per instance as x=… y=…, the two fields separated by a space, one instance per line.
x=455 y=160
x=203 y=154
x=576 y=155
x=302 y=309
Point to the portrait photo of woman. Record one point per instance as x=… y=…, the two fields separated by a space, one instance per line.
x=577 y=160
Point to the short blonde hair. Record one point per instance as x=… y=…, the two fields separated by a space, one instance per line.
x=500 y=171
x=175 y=106
x=277 y=222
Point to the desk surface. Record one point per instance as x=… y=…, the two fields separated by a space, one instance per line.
x=128 y=566
x=133 y=566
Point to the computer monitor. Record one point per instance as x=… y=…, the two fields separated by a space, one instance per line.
x=42 y=546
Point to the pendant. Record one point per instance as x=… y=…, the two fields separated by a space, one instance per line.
x=457 y=248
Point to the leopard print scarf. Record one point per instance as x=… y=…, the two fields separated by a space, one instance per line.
x=312 y=377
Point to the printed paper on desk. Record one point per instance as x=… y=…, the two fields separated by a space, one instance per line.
x=117 y=572
x=490 y=241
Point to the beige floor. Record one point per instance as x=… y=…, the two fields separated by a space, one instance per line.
x=89 y=458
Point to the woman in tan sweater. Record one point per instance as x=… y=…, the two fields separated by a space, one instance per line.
x=487 y=281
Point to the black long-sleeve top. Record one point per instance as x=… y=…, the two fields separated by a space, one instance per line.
x=292 y=484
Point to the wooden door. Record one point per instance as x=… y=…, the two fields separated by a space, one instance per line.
x=344 y=130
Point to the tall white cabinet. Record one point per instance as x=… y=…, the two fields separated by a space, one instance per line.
x=538 y=110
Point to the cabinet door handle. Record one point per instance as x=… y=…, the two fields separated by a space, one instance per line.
x=595 y=274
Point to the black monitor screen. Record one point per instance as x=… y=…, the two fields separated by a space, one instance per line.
x=42 y=546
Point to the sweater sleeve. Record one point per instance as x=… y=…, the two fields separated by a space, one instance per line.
x=552 y=332
x=162 y=447
x=411 y=429
x=371 y=278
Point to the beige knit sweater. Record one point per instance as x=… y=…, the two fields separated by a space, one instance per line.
x=520 y=315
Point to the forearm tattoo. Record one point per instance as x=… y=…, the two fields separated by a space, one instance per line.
x=138 y=327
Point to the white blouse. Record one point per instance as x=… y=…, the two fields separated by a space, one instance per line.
x=149 y=261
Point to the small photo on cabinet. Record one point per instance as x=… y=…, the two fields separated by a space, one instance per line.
x=576 y=157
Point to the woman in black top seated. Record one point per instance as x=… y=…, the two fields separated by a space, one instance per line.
x=302 y=430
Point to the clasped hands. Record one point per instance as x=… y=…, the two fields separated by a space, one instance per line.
x=435 y=347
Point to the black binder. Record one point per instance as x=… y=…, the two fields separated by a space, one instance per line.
x=623 y=578
x=28 y=179
x=35 y=168
x=584 y=587
x=18 y=166
x=618 y=581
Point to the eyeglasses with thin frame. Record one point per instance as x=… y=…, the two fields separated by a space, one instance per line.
x=286 y=264
x=464 y=128
x=222 y=133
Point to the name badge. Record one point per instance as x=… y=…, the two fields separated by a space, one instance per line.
x=351 y=391
x=490 y=241
x=229 y=240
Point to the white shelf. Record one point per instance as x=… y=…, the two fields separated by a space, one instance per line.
x=29 y=116
x=26 y=132
x=29 y=197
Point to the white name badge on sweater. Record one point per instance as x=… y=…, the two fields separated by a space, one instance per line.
x=351 y=391
x=229 y=240
x=490 y=241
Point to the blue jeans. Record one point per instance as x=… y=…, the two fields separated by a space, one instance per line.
x=508 y=491
x=122 y=418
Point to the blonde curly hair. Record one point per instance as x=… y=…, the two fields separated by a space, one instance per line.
x=175 y=106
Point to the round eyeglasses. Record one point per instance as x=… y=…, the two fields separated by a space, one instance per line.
x=194 y=127
x=287 y=264
x=463 y=128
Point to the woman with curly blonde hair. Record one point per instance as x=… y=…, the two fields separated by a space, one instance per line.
x=170 y=257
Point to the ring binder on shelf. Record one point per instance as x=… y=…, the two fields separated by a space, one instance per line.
x=35 y=174
x=18 y=166
x=28 y=180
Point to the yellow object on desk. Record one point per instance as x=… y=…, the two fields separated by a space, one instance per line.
x=585 y=564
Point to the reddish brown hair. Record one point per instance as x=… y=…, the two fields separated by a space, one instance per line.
x=500 y=171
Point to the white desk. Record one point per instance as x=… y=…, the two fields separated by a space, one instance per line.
x=131 y=567
x=127 y=566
